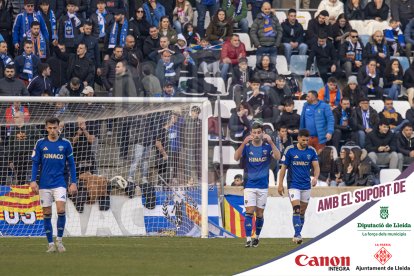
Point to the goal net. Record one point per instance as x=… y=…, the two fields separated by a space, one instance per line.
x=139 y=165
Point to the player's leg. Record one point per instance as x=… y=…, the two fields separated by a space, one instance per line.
x=60 y=198
x=250 y=205
x=294 y=195
x=46 y=200
x=261 y=204
x=304 y=200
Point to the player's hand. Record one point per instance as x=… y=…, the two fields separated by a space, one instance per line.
x=247 y=139
x=314 y=181
x=73 y=189
x=34 y=187
x=280 y=190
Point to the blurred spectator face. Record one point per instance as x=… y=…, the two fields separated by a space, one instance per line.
x=394 y=24
x=332 y=86
x=119 y=17
x=408 y=131
x=321 y=41
x=292 y=18
x=221 y=15
x=204 y=43
x=46 y=72
x=289 y=108
x=169 y=89
x=71 y=8
x=255 y=86
x=118 y=52
x=19 y=118
x=345 y=104
x=62 y=48
x=29 y=8
x=166 y=57
x=283 y=132
x=372 y=66
x=388 y=104
x=120 y=69
x=364 y=105
x=165 y=23
x=238 y=181
x=378 y=36
x=74 y=87
x=266 y=8
x=130 y=42
x=81 y=122
x=35 y=30
x=190 y=28
x=342 y=22
x=243 y=66
x=3 y=47
x=28 y=48
x=181 y=43
x=383 y=128
x=321 y=19
x=81 y=50
x=280 y=83
x=235 y=41
x=153 y=32
x=140 y=13
x=164 y=42
x=87 y=29
x=354 y=37
x=378 y=3
x=311 y=98
x=9 y=73
x=265 y=61
x=194 y=114
x=101 y=6
x=44 y=7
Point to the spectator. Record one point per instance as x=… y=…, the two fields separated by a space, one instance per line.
x=365 y=119
x=41 y=46
x=220 y=28
x=350 y=53
x=408 y=82
x=290 y=119
x=58 y=69
x=255 y=6
x=6 y=23
x=340 y=166
x=139 y=28
x=327 y=167
x=318 y=25
x=409 y=37
x=108 y=72
x=92 y=44
x=168 y=67
x=258 y=100
x=112 y=6
x=279 y=92
x=202 y=7
x=101 y=20
x=405 y=144
x=183 y=14
x=340 y=31
x=231 y=52
x=377 y=49
x=343 y=123
x=238 y=180
x=191 y=139
x=242 y=74
x=72 y=89
x=133 y=56
x=317 y=117
x=394 y=38
x=293 y=36
x=166 y=30
x=266 y=73
x=389 y=115
x=207 y=57
x=152 y=42
x=11 y=112
x=368 y=79
x=333 y=7
x=78 y=64
x=4 y=58
x=354 y=10
x=49 y=17
x=353 y=92
x=23 y=22
x=117 y=33
x=393 y=79
x=240 y=121
x=41 y=83
x=124 y=85
x=266 y=33
x=150 y=83
x=282 y=140
x=189 y=34
x=376 y=10
x=169 y=90
x=409 y=115
x=326 y=57
x=402 y=11
x=27 y=63
x=237 y=9
x=330 y=94
x=361 y=170
x=153 y=12
x=69 y=26
x=381 y=147
x=11 y=86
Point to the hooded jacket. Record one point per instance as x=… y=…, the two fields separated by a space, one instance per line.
x=258 y=35
x=375 y=139
x=324 y=120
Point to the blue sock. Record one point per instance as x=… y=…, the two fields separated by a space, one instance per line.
x=259 y=225
x=248 y=221
x=47 y=222
x=302 y=221
x=297 y=224
x=61 y=224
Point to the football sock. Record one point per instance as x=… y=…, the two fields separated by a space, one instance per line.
x=259 y=225
x=248 y=221
x=61 y=224
x=47 y=221
x=302 y=221
x=296 y=220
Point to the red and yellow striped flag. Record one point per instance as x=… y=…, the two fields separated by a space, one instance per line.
x=19 y=199
x=234 y=216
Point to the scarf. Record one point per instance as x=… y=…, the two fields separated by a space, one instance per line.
x=53 y=24
x=222 y=28
x=327 y=98
x=267 y=26
x=169 y=70
x=69 y=27
x=6 y=59
x=27 y=22
x=28 y=66
x=39 y=44
x=375 y=49
x=370 y=84
x=101 y=22
x=238 y=9
x=365 y=118
x=354 y=50
x=344 y=117
x=114 y=34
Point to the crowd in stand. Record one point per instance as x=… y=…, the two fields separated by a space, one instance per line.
x=142 y=48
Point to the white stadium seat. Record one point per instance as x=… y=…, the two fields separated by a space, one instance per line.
x=225 y=107
x=401 y=107
x=228 y=155
x=303 y=18
x=299 y=106
x=245 y=38
x=281 y=65
x=378 y=105
x=230 y=174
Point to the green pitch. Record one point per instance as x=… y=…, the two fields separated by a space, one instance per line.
x=136 y=256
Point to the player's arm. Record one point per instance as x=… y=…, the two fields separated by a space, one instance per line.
x=36 y=159
x=275 y=151
x=316 y=172
x=282 y=173
x=239 y=152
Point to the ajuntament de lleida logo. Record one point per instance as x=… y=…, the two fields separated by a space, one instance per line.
x=384 y=212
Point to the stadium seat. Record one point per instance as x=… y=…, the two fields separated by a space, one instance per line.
x=312 y=83
x=251 y=61
x=401 y=107
x=226 y=107
x=219 y=83
x=378 y=105
x=388 y=175
x=206 y=21
x=281 y=15
x=231 y=173
x=269 y=126
x=231 y=140
x=404 y=61
x=281 y=65
x=303 y=18
x=364 y=39
x=245 y=38
x=250 y=18
x=299 y=106
x=298 y=65
x=228 y=155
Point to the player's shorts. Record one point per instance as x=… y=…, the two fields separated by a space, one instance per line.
x=255 y=197
x=301 y=195
x=47 y=196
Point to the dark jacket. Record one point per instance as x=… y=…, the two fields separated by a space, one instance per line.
x=150 y=45
x=124 y=86
x=392 y=118
x=363 y=78
x=298 y=35
x=390 y=78
x=258 y=36
x=68 y=42
x=239 y=77
x=109 y=20
x=58 y=71
x=39 y=85
x=371 y=11
x=108 y=72
x=19 y=64
x=408 y=79
x=111 y=6
x=409 y=115
x=354 y=14
x=337 y=113
x=6 y=21
x=313 y=30
x=12 y=87
x=219 y=30
x=139 y=29
x=265 y=76
x=338 y=31
x=358 y=122
x=404 y=145
x=290 y=120
x=348 y=47
x=375 y=139
x=353 y=95
x=366 y=173
x=92 y=44
x=325 y=57
x=238 y=126
x=402 y=11
x=409 y=32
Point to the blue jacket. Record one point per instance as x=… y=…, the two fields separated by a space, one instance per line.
x=19 y=31
x=40 y=84
x=157 y=14
x=324 y=120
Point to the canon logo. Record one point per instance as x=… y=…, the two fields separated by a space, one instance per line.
x=304 y=260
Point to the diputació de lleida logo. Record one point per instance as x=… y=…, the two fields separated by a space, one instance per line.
x=384 y=212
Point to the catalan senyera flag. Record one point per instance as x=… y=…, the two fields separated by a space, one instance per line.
x=19 y=199
x=234 y=215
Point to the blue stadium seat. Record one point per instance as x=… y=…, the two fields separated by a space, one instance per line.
x=364 y=39
x=404 y=61
x=312 y=83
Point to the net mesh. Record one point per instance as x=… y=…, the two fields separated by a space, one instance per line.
x=138 y=167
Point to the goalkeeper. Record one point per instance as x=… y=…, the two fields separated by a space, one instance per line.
x=51 y=154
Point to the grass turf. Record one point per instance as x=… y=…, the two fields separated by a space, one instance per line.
x=136 y=256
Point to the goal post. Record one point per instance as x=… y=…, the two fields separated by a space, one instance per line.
x=142 y=165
